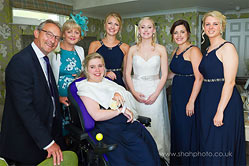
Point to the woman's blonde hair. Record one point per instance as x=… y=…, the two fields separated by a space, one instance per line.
x=139 y=38
x=117 y=17
x=217 y=15
x=86 y=61
x=71 y=24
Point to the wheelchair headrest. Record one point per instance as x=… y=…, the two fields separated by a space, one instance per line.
x=87 y=122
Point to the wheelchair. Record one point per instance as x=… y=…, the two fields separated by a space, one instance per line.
x=90 y=152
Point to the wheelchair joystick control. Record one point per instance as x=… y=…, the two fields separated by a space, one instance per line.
x=99 y=137
x=102 y=147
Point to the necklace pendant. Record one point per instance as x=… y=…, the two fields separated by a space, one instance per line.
x=176 y=56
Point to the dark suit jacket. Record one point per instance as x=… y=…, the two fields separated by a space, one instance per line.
x=28 y=111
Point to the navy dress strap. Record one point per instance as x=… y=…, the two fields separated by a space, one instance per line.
x=187 y=49
x=120 y=43
x=223 y=44
x=219 y=46
x=101 y=42
x=184 y=50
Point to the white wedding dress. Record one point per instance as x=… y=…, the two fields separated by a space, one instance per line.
x=145 y=80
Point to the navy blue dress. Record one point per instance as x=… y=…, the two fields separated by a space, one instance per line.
x=223 y=145
x=183 y=127
x=136 y=146
x=113 y=57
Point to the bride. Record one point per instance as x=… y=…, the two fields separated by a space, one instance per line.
x=147 y=59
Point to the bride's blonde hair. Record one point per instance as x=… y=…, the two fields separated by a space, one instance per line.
x=139 y=38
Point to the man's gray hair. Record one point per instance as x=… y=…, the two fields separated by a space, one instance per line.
x=49 y=21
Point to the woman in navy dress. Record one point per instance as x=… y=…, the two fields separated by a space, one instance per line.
x=222 y=133
x=113 y=50
x=186 y=85
x=101 y=97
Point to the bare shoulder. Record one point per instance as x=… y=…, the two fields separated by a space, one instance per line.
x=94 y=46
x=195 y=50
x=229 y=46
x=133 y=48
x=95 y=43
x=160 y=47
x=228 y=49
x=125 y=47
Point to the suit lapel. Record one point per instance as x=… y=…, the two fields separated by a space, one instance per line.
x=44 y=80
x=39 y=69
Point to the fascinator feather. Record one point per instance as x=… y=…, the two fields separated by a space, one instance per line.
x=82 y=21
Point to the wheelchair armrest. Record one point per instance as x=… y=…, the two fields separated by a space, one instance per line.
x=144 y=120
x=102 y=148
x=76 y=132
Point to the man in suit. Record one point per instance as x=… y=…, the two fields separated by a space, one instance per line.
x=31 y=124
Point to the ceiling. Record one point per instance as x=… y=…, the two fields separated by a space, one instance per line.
x=135 y=8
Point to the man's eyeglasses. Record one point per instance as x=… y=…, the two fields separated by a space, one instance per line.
x=50 y=35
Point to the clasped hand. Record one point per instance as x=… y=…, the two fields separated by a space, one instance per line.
x=141 y=98
x=111 y=75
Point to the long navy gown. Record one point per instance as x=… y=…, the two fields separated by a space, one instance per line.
x=223 y=145
x=136 y=146
x=183 y=127
x=113 y=57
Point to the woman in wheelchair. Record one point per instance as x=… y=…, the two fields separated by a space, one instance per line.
x=112 y=107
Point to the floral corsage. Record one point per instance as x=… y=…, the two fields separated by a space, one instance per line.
x=57 y=50
x=114 y=105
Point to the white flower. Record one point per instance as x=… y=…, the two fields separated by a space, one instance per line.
x=1 y=4
x=71 y=65
x=18 y=44
x=113 y=105
x=3 y=51
x=57 y=49
x=5 y=31
x=66 y=83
